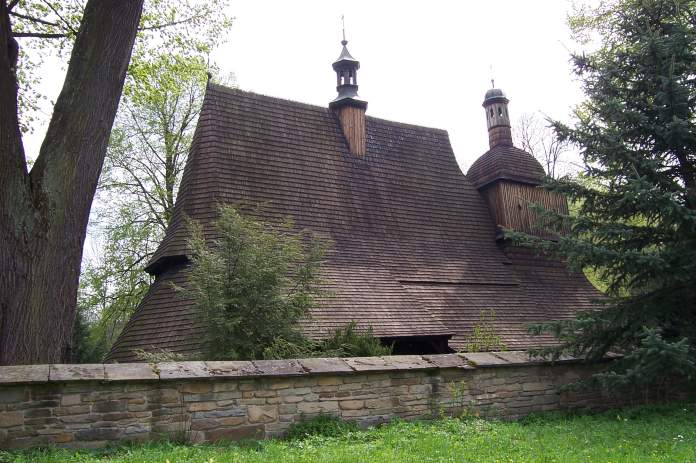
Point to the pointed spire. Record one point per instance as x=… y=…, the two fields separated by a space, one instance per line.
x=346 y=68
x=348 y=107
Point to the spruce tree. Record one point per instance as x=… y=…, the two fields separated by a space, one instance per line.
x=635 y=221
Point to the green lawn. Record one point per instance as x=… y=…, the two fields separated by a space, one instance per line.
x=657 y=433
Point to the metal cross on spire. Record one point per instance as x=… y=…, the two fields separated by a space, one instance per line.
x=343 y=27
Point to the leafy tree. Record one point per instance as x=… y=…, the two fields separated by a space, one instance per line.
x=636 y=223
x=253 y=284
x=48 y=29
x=45 y=209
x=136 y=192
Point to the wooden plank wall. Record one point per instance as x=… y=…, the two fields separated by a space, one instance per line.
x=352 y=121
x=509 y=203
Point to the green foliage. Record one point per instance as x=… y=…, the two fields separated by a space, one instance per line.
x=635 y=226
x=320 y=425
x=149 y=143
x=655 y=362
x=645 y=434
x=344 y=342
x=349 y=342
x=183 y=28
x=484 y=337
x=160 y=355
x=252 y=284
x=86 y=347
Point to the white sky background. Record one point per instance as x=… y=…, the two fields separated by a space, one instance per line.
x=424 y=63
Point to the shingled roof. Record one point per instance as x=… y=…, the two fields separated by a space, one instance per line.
x=505 y=162
x=414 y=251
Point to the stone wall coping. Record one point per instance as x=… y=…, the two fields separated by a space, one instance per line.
x=169 y=371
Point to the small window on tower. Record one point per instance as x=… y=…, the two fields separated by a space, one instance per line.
x=500 y=111
x=492 y=113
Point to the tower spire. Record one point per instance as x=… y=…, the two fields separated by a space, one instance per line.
x=344 y=42
x=348 y=106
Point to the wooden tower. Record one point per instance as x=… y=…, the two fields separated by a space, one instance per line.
x=508 y=177
x=348 y=106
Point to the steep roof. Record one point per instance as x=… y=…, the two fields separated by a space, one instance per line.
x=414 y=251
x=508 y=163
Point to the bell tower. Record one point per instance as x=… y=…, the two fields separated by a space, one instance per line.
x=348 y=106
x=508 y=178
x=495 y=103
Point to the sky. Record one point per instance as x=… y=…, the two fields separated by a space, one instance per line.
x=424 y=63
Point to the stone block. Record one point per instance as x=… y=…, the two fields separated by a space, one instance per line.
x=197 y=387
x=72 y=410
x=219 y=369
x=370 y=364
x=98 y=434
x=287 y=409
x=13 y=394
x=232 y=421
x=201 y=406
x=351 y=404
x=20 y=374
x=11 y=419
x=107 y=406
x=313 y=408
x=76 y=372
x=378 y=403
x=283 y=383
x=518 y=358
x=355 y=413
x=536 y=387
x=71 y=399
x=326 y=365
x=279 y=367
x=204 y=424
x=295 y=391
x=182 y=370
x=326 y=381
x=262 y=414
x=236 y=411
x=409 y=362
x=235 y=434
x=130 y=372
x=483 y=359
x=447 y=361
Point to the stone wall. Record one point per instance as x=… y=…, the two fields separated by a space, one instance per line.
x=92 y=405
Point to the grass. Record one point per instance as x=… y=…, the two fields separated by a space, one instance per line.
x=643 y=434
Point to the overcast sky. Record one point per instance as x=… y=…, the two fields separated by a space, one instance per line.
x=425 y=63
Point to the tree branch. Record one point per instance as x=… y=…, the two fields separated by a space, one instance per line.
x=169 y=24
x=33 y=19
x=60 y=17
x=40 y=35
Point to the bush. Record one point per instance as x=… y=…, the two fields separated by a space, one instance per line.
x=252 y=284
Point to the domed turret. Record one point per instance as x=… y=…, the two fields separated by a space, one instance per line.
x=508 y=177
x=495 y=104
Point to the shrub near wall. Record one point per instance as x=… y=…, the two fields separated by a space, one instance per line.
x=93 y=405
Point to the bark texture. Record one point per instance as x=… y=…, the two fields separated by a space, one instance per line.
x=44 y=213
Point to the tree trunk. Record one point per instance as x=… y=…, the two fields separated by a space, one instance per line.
x=44 y=213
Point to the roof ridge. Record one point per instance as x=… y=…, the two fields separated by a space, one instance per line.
x=237 y=90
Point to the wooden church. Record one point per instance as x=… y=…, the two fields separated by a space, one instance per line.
x=417 y=252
